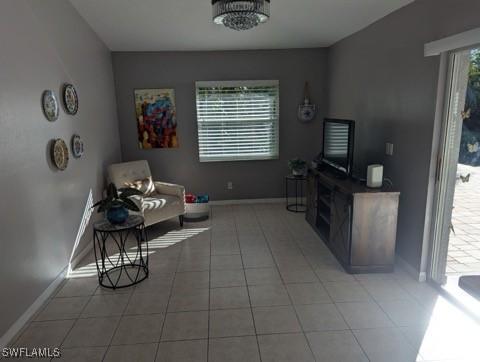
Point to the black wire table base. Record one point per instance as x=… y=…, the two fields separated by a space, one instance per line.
x=121 y=264
x=298 y=205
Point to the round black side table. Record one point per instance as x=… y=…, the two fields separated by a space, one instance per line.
x=121 y=263
x=298 y=205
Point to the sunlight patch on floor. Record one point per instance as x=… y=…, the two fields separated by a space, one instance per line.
x=169 y=239
x=449 y=332
x=469 y=302
x=90 y=270
x=173 y=238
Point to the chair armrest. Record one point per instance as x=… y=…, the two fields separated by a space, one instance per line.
x=170 y=189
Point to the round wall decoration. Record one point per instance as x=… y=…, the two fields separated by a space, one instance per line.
x=50 y=105
x=60 y=154
x=70 y=98
x=306 y=111
x=77 y=146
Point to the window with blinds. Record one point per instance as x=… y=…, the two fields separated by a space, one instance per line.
x=237 y=120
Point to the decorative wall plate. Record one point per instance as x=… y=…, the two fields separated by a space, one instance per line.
x=77 y=146
x=70 y=98
x=60 y=154
x=306 y=111
x=50 y=105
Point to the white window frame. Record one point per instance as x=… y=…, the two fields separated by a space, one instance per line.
x=276 y=123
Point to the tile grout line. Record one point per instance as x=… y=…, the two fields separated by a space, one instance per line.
x=294 y=308
x=388 y=316
x=332 y=302
x=288 y=294
x=75 y=322
x=248 y=293
x=343 y=317
x=118 y=324
x=351 y=331
x=41 y=309
x=168 y=302
x=209 y=289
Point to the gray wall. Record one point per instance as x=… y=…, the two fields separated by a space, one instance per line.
x=43 y=44
x=180 y=70
x=380 y=78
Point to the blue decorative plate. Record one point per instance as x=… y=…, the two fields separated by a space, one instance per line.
x=50 y=105
x=77 y=146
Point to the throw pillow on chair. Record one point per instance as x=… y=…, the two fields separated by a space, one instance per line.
x=146 y=186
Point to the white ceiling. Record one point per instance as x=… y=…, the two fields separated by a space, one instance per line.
x=160 y=25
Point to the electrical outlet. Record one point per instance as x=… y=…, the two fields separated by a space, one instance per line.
x=230 y=185
x=389 y=149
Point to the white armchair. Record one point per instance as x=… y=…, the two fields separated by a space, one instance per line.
x=166 y=202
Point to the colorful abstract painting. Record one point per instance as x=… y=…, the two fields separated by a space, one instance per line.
x=156 y=118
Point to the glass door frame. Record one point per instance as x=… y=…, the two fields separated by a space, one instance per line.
x=447 y=160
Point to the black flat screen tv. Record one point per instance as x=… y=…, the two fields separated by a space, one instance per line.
x=338 y=136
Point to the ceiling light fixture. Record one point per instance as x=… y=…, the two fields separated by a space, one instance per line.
x=240 y=14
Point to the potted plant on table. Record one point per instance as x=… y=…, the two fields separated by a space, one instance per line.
x=117 y=203
x=297 y=166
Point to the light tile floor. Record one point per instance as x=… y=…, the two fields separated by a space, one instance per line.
x=254 y=283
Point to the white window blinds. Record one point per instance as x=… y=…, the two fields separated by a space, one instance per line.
x=237 y=120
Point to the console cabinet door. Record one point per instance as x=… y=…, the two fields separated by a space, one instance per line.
x=312 y=194
x=374 y=229
x=340 y=233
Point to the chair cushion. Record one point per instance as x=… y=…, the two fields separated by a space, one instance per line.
x=159 y=201
x=146 y=185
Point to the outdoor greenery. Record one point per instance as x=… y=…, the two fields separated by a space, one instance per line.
x=470 y=141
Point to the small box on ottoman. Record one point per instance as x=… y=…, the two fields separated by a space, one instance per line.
x=196 y=207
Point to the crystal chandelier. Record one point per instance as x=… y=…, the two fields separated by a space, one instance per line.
x=240 y=14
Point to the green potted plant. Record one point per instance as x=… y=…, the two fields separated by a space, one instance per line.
x=117 y=203
x=297 y=166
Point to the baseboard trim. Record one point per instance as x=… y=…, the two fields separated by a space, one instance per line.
x=248 y=201
x=19 y=324
x=420 y=276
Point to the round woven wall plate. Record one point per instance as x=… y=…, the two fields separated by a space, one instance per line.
x=50 y=105
x=70 y=99
x=60 y=154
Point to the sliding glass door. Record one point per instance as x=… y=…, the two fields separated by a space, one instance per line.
x=448 y=156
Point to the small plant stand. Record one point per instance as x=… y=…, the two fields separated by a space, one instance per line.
x=121 y=252
x=298 y=181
